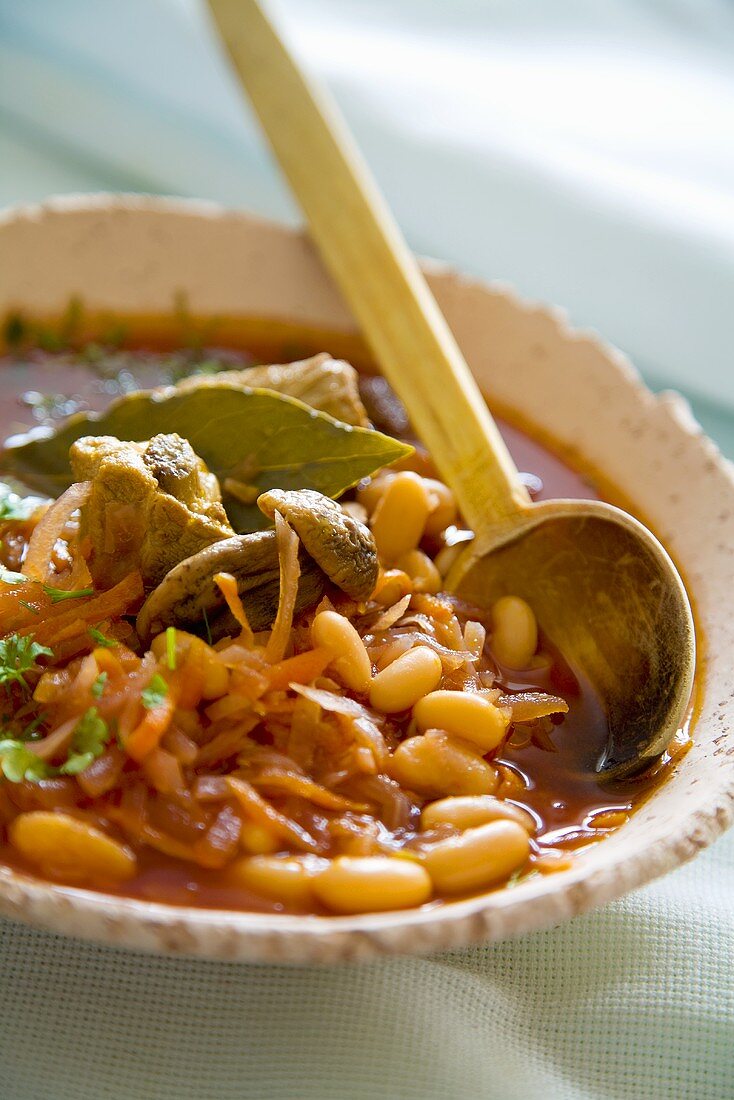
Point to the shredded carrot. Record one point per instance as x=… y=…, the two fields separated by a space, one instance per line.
x=88 y=611
x=222 y=839
x=301 y=669
x=226 y=743
x=162 y=842
x=227 y=585
x=303 y=787
x=264 y=814
x=163 y=771
x=146 y=736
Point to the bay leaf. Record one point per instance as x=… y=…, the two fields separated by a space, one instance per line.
x=252 y=439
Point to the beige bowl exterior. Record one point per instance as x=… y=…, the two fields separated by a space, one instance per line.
x=133 y=255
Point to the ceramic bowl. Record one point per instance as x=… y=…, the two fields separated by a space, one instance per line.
x=124 y=255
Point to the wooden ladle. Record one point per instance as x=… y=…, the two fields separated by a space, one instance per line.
x=602 y=587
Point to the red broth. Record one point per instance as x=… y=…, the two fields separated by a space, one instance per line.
x=552 y=778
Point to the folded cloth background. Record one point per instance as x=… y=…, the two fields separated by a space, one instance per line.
x=583 y=152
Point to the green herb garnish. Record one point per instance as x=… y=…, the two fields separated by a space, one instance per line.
x=99 y=685
x=15 y=329
x=18 y=762
x=18 y=657
x=101 y=639
x=14 y=507
x=155 y=693
x=208 y=628
x=7 y=576
x=89 y=742
x=59 y=594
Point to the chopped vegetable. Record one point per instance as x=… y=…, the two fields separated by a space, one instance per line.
x=155 y=693
x=101 y=639
x=18 y=657
x=99 y=685
x=58 y=595
x=88 y=742
x=18 y=762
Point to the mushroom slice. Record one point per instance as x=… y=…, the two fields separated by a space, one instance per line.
x=340 y=544
x=189 y=598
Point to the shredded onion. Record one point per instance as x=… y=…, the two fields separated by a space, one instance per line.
x=526 y=706
x=38 y=560
x=256 y=807
x=290 y=572
x=290 y=782
x=391 y=616
x=211 y=788
x=451 y=659
x=327 y=700
x=396 y=809
x=103 y=773
x=475 y=636
x=55 y=741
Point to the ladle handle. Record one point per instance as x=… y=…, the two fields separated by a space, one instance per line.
x=371 y=264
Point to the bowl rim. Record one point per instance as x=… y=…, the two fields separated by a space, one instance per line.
x=254 y=937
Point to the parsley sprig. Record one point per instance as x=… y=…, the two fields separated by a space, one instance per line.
x=19 y=656
x=155 y=693
x=99 y=685
x=7 y=576
x=89 y=740
x=18 y=762
x=59 y=594
x=101 y=639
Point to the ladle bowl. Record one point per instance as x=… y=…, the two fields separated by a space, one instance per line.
x=605 y=592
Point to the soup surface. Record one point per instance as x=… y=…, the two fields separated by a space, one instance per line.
x=215 y=773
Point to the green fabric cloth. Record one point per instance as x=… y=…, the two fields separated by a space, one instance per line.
x=634 y=1002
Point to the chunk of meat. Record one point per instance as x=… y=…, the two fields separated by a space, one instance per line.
x=329 y=385
x=151 y=505
x=334 y=547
